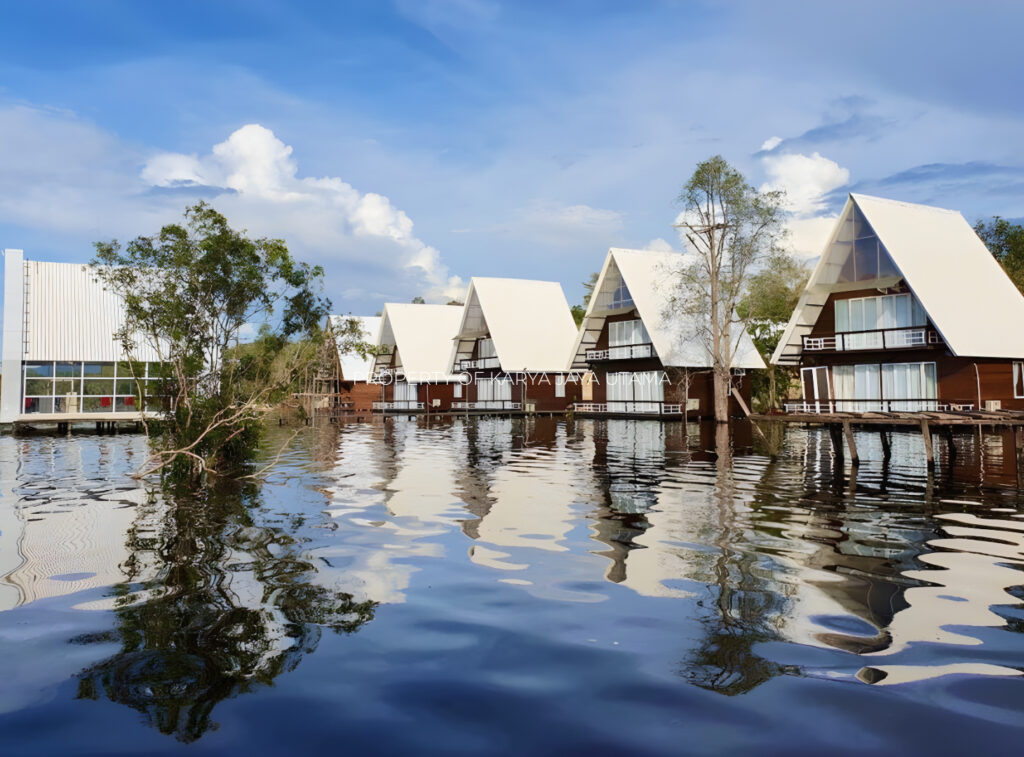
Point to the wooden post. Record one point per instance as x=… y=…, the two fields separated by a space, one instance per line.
x=1019 y=444
x=851 y=443
x=835 y=431
x=950 y=444
x=886 y=446
x=926 y=432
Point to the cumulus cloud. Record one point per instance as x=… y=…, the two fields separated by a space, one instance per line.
x=658 y=245
x=807 y=181
x=263 y=189
x=771 y=143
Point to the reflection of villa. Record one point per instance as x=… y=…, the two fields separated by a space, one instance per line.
x=643 y=361
x=512 y=343
x=412 y=368
x=61 y=361
x=907 y=310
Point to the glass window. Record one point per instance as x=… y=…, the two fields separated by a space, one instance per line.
x=65 y=386
x=97 y=404
x=1018 y=380
x=125 y=405
x=865 y=254
x=38 y=387
x=457 y=390
x=559 y=386
x=70 y=370
x=621 y=298
x=38 y=369
x=97 y=386
x=125 y=386
x=485 y=348
x=39 y=404
x=98 y=370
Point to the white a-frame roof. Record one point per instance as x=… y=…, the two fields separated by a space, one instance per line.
x=422 y=336
x=968 y=297
x=650 y=280
x=355 y=367
x=529 y=321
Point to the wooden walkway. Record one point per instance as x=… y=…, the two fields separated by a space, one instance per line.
x=841 y=425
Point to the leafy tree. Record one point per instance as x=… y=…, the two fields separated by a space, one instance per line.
x=417 y=300
x=1005 y=241
x=732 y=229
x=580 y=311
x=771 y=298
x=193 y=292
x=457 y=303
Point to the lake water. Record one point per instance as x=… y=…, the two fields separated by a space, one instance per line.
x=500 y=586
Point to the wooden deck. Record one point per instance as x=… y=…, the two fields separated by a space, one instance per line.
x=841 y=427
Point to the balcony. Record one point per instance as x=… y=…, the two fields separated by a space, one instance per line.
x=621 y=352
x=875 y=339
x=488 y=405
x=478 y=363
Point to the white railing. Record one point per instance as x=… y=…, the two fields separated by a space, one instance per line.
x=877 y=406
x=488 y=405
x=651 y=407
x=623 y=352
x=875 y=339
x=469 y=364
x=398 y=405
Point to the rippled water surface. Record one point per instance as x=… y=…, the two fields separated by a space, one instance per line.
x=514 y=587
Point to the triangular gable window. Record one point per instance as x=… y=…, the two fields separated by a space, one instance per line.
x=857 y=254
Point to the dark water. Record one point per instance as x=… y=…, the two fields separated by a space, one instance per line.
x=513 y=587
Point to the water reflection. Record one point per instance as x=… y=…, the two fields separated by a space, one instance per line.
x=720 y=568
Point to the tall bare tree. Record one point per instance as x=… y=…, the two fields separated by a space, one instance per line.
x=731 y=229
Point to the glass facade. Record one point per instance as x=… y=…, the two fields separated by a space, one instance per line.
x=635 y=391
x=62 y=387
x=890 y=387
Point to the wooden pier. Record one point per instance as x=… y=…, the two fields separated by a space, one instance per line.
x=841 y=425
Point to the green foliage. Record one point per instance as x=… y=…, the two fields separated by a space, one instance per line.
x=580 y=311
x=417 y=300
x=1005 y=241
x=771 y=298
x=192 y=292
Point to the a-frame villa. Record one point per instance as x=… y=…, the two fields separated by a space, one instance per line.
x=350 y=383
x=906 y=311
x=644 y=360
x=511 y=345
x=414 y=345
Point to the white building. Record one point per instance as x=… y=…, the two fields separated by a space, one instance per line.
x=61 y=360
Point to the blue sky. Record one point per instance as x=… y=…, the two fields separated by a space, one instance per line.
x=408 y=145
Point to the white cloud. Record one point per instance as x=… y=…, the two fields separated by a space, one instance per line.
x=262 y=188
x=771 y=143
x=65 y=176
x=658 y=245
x=806 y=179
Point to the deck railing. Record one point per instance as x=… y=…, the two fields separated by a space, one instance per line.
x=622 y=352
x=874 y=339
x=488 y=405
x=877 y=406
x=640 y=407
x=398 y=405
x=477 y=363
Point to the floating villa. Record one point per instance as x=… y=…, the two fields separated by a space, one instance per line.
x=414 y=344
x=512 y=344
x=61 y=361
x=906 y=311
x=643 y=361
x=349 y=382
